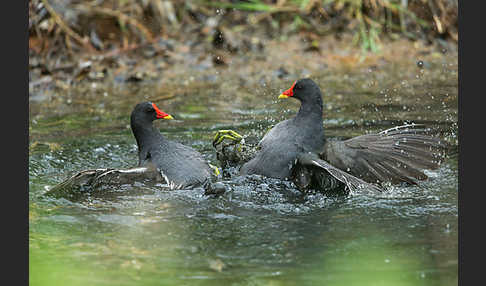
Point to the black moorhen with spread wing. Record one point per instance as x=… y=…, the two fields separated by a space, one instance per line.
x=180 y=165
x=297 y=149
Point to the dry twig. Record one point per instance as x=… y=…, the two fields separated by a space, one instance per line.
x=120 y=16
x=65 y=27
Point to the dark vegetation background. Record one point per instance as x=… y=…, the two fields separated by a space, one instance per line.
x=63 y=31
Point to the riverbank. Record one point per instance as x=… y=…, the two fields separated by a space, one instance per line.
x=133 y=41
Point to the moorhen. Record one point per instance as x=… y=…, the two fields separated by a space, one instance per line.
x=180 y=165
x=297 y=149
x=159 y=160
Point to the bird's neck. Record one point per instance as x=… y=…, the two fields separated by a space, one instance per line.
x=310 y=118
x=145 y=133
x=310 y=110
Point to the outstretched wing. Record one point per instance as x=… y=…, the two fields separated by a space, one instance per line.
x=395 y=155
x=352 y=183
x=94 y=180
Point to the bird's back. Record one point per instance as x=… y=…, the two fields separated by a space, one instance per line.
x=279 y=149
x=181 y=165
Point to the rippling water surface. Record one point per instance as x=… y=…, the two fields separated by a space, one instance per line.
x=262 y=231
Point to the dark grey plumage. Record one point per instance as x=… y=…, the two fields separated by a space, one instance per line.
x=302 y=133
x=180 y=165
x=297 y=149
x=395 y=155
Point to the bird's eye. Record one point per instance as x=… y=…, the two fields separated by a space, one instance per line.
x=148 y=110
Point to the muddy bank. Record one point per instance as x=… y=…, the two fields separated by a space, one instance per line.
x=74 y=44
x=171 y=61
x=103 y=88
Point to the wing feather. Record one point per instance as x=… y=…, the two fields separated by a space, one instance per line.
x=352 y=183
x=398 y=154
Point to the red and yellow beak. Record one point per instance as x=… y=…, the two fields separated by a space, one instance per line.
x=288 y=93
x=160 y=113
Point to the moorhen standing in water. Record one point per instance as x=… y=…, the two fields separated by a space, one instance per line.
x=159 y=160
x=297 y=149
x=181 y=166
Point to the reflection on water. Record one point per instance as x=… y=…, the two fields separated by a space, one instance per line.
x=261 y=232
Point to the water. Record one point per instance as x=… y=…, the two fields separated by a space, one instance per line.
x=262 y=231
